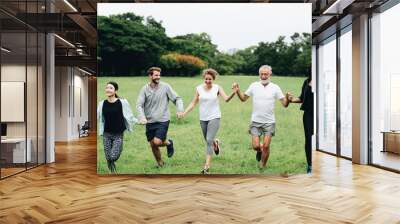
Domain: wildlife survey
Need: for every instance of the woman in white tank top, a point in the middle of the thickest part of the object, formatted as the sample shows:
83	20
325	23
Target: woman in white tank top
209	112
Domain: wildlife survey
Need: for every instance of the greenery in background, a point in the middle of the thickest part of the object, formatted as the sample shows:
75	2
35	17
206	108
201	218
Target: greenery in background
236	157
175	64
129	44
199	45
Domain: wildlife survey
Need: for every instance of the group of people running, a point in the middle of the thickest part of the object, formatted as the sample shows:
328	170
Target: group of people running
115	115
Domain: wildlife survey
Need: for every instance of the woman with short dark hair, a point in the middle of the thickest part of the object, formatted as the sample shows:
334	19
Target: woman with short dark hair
115	116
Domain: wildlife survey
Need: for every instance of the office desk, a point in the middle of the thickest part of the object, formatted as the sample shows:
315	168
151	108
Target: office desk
13	150
391	141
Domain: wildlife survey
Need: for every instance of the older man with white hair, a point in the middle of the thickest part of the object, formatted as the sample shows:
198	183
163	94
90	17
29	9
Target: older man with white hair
264	94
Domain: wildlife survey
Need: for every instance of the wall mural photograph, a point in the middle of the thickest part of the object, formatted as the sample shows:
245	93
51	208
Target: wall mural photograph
213	89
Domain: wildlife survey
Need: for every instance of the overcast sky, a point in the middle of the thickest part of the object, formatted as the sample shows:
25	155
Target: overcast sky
235	25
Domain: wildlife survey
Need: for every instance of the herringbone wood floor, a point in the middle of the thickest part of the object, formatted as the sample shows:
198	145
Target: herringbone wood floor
70	191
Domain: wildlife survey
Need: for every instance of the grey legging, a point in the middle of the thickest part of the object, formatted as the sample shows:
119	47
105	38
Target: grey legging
112	148
210	129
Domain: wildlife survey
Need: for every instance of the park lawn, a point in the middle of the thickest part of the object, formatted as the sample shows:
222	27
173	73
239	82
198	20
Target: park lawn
236	157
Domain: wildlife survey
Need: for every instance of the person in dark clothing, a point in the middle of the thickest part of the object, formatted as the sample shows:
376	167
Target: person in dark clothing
306	99
115	116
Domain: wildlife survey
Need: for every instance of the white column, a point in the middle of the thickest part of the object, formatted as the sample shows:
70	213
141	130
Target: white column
50	101
50	92
360	90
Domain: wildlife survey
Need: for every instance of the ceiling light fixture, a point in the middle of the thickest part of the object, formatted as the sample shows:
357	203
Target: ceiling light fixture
337	7
84	71
64	40
70	5
5	50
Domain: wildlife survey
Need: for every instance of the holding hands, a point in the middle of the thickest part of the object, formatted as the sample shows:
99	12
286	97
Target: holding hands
292	99
143	121
289	96
235	87
180	115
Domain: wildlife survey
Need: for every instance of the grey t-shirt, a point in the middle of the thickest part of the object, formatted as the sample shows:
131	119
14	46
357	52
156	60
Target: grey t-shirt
152	103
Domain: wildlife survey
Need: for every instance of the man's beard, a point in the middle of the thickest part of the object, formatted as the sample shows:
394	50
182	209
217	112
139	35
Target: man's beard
155	81
265	82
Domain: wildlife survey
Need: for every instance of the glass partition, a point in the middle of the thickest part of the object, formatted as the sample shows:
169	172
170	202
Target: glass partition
385	89
14	155
327	95
22	66
31	97
346	93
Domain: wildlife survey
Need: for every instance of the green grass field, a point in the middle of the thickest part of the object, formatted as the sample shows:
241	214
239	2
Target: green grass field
237	157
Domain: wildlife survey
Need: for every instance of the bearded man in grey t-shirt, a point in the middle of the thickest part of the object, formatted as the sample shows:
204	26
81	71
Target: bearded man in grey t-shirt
152	108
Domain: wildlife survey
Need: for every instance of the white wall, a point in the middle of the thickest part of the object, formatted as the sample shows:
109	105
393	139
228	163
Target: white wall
61	103
79	117
70	83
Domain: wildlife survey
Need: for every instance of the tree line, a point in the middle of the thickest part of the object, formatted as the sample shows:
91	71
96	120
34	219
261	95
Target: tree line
129	44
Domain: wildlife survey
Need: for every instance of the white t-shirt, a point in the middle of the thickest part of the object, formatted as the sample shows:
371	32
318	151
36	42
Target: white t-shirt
264	98
208	102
